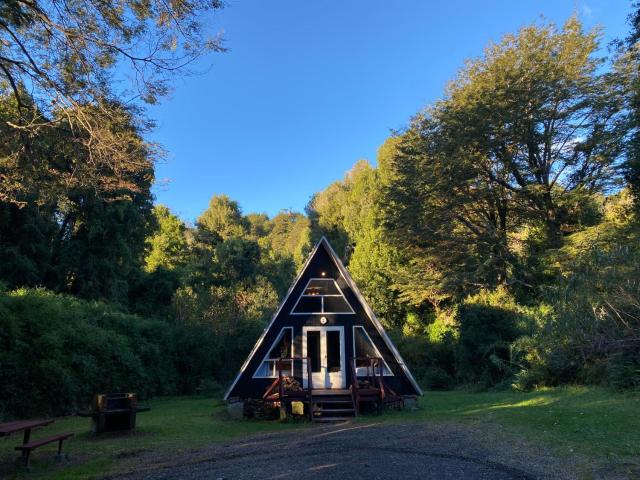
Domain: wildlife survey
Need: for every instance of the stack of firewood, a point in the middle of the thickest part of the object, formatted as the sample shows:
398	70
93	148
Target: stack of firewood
364	383
259	409
291	384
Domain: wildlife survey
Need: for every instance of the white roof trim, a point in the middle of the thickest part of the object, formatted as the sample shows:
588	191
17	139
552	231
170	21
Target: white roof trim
357	293
292	312
375	347
275	342
273	319
372	316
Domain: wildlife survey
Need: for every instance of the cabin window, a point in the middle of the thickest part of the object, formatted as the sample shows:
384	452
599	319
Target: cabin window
282	348
313	349
321	295
364	348
333	351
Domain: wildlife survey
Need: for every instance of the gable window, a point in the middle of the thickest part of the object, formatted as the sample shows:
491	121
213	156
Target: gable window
282	348
364	349
321	295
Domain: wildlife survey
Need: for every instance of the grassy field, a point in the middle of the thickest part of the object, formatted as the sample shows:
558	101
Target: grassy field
597	423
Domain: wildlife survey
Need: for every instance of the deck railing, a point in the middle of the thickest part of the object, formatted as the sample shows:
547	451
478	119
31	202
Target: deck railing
375	376
374	372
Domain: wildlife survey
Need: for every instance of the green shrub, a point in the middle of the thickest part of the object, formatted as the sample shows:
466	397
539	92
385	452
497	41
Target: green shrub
56	352
435	378
483	352
622	372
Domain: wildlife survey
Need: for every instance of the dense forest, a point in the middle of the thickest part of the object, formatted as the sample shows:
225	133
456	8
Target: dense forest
497	235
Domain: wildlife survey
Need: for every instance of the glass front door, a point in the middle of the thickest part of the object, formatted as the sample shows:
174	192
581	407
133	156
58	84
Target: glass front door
325	348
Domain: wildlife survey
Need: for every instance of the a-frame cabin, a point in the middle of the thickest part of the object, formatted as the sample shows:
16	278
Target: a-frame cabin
325	348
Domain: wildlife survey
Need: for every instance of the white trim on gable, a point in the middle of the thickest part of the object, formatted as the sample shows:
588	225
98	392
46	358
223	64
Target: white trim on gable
341	295
266	357
384	363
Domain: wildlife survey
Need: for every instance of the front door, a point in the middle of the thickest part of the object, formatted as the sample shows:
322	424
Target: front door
325	348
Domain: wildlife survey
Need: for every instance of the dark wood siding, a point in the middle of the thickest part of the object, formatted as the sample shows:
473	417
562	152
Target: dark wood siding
248	387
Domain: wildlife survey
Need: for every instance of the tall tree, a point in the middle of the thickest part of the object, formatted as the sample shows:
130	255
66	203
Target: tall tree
629	72
223	219
540	118
327	219
451	227
79	241
167	246
69	55
289	236
524	135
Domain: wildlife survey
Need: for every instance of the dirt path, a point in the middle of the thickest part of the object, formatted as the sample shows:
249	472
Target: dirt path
359	450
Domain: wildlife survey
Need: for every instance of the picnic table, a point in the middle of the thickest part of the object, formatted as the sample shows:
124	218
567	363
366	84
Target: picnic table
22	425
27	444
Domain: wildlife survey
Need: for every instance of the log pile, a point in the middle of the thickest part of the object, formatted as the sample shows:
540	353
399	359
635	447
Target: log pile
364	383
260	410
291	384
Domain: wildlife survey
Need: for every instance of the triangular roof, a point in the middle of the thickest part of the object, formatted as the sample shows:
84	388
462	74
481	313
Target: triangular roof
352	285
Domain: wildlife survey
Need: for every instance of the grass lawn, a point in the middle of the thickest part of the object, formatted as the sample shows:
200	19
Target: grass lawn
594	422
173	424
601	424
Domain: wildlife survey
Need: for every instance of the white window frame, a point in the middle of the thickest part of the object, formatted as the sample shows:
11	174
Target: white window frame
267	359
352	312
386	366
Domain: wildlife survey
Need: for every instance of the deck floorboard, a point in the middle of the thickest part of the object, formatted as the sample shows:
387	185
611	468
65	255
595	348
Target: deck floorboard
333	391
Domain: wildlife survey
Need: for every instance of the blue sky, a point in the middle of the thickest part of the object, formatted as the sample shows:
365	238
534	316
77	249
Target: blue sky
309	87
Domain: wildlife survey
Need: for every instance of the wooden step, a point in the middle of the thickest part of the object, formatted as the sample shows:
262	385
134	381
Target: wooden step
329	392
332	401
334	410
331	419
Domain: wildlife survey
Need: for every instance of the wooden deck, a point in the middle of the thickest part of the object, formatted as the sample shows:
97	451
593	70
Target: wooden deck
332	391
335	404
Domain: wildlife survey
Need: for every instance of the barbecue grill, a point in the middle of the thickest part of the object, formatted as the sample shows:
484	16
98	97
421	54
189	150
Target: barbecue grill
114	412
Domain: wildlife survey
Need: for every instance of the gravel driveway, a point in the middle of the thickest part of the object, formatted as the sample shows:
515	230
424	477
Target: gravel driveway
360	450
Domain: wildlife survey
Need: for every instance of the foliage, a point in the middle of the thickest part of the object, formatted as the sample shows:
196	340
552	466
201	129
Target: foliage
167	246
628	73
69	55
74	241
347	214
233	315
524	135
222	220
487	327
57	352
288	235
593	334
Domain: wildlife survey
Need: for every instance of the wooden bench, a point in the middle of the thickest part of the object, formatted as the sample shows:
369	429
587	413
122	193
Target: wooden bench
28	447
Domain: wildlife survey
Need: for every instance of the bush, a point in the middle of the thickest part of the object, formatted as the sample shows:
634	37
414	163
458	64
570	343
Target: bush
622	372
210	388
483	351
428	359
435	378
592	336
56	352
